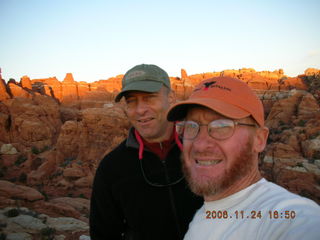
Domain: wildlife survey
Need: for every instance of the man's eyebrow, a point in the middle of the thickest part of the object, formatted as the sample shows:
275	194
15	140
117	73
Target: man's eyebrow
154	93
128	97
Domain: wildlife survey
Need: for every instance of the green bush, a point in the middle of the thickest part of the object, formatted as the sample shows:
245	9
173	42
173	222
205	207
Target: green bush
316	155
20	159
3	236
81	195
35	150
302	123
67	161
23	177
47	233
12	213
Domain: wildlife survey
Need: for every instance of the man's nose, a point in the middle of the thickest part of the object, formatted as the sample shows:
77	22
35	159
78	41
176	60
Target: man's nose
142	107
203	140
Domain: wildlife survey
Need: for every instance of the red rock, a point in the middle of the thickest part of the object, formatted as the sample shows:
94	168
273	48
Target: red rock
51	87
56	209
35	122
100	130
308	107
5	123
68	141
26	82
311	148
18	91
10	190
311	71
184	74
8	160
80	204
45	170
68	78
283	110
73	173
69	90
87	125
84	181
5	202
3	91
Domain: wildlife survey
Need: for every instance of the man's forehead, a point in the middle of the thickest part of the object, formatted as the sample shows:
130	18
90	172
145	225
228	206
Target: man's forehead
195	110
138	93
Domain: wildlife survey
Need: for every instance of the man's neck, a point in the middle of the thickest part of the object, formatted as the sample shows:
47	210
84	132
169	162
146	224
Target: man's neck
164	137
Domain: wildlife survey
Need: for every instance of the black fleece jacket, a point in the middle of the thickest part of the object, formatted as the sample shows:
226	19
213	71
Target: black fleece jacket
125	206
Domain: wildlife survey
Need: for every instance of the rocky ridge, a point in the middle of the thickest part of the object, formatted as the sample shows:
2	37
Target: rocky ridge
53	135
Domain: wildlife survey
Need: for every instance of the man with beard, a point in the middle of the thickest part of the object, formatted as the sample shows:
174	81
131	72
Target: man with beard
222	127
139	192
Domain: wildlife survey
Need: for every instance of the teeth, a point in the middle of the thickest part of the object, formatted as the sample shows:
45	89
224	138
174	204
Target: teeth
207	163
145	120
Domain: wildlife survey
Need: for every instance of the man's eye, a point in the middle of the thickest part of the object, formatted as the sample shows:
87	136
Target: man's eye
151	96
130	101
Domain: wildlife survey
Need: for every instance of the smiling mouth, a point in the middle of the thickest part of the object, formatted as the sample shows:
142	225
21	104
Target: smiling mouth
145	120
207	163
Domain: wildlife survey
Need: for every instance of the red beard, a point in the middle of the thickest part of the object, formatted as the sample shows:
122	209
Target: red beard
241	167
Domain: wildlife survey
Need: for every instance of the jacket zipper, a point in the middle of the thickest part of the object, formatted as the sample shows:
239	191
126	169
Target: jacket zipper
173	206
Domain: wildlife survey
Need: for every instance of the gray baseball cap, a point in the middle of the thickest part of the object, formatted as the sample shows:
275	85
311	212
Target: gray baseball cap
145	78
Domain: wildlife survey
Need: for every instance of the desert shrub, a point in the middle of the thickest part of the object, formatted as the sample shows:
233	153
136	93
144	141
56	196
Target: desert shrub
67	161
35	150
81	195
45	148
316	155
23	177
3	172
20	159
315	135
12	213
302	123
47	233
299	164
3	236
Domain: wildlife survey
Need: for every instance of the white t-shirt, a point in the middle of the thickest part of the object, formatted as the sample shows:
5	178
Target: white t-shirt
261	211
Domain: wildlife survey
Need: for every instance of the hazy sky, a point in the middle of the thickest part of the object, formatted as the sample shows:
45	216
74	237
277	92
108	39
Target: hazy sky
100	39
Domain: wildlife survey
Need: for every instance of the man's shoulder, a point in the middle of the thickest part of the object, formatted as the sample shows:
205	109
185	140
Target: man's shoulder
118	155
277	197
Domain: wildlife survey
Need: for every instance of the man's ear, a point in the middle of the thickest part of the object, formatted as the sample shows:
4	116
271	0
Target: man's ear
260	139
172	97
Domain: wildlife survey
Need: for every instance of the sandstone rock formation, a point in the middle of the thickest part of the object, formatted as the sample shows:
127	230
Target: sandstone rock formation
3	91
85	95
294	149
53	135
26	82
11	190
23	223
311	71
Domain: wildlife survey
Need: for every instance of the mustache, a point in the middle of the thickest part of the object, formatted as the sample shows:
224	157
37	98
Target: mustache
210	154
204	154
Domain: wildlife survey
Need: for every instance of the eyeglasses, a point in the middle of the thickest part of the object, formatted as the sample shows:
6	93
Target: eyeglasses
220	129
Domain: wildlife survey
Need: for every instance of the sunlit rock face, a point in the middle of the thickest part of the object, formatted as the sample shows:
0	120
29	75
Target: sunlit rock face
53	135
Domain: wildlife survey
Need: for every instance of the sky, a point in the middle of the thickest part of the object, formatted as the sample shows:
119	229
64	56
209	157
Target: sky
97	40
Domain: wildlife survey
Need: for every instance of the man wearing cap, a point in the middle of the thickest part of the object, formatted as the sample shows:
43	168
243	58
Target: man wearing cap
223	131
139	191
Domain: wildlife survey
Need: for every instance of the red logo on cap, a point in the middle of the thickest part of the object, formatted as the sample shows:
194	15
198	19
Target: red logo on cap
208	84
